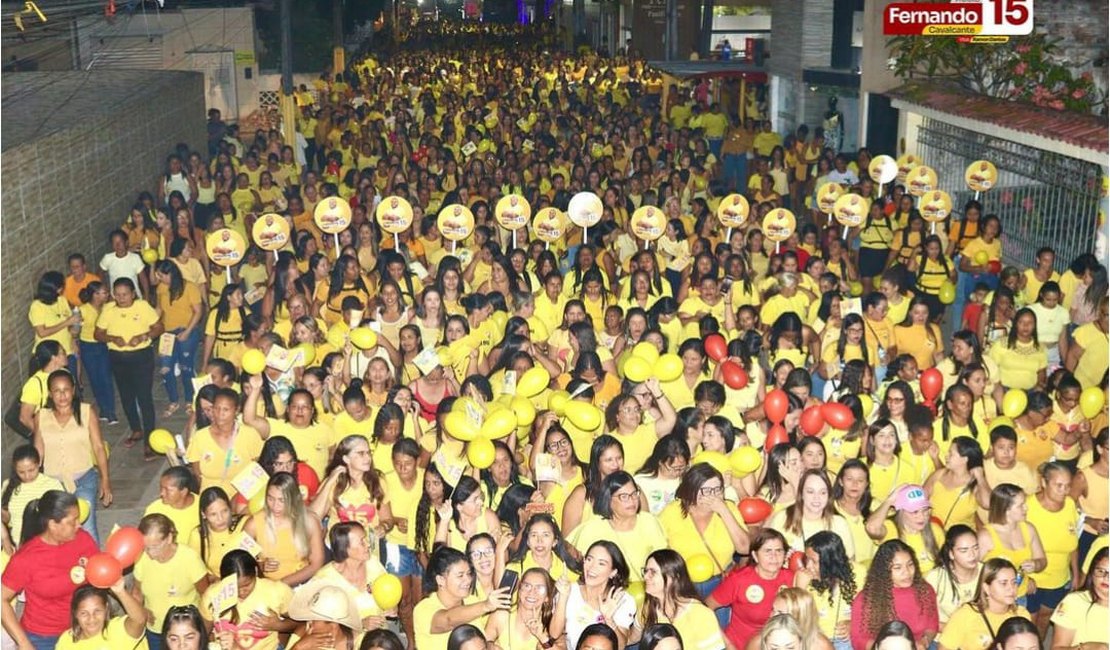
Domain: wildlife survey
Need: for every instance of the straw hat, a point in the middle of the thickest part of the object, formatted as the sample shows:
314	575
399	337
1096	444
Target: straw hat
322	601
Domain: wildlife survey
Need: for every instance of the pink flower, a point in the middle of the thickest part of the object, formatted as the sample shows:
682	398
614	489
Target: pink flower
1078	93
1027	203
1057	104
1020	68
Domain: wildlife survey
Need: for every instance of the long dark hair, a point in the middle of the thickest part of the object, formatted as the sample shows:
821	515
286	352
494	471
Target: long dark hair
223	307
49	287
836	570
559	546
53	505
838	488
877	595
83	593
593	478
177	283
207	498
425	513
676	584
486	475
20	454
944	555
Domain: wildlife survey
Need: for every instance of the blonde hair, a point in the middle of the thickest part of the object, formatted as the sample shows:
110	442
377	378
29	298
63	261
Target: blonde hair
782	622
802	608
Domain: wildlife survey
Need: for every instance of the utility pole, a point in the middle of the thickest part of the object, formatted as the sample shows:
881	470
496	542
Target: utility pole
288	105
338	55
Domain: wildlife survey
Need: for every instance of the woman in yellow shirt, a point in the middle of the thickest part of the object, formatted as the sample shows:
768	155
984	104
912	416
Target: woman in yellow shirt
1007	534
219	528
957	488
973	626
670	597
1082	618
291	537
260	609
932	269
450	600
918	336
353	489
1055	516
224	327
95	628
166	574
179	308
1022	362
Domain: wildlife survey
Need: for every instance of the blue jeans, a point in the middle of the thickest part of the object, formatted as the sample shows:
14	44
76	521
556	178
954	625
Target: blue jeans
704	589
715	146
965	284
98	374
736	172
184	359
42	642
87	488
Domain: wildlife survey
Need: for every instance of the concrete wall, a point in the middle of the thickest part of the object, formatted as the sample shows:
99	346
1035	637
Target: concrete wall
77	148
801	36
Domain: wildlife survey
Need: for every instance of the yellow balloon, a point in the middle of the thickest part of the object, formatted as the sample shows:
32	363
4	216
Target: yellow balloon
855	288
636	369
981	258
636	590
668	367
646	351
309	353
1014	402
363	338
1001	421
459	426
867	405
947	293
480	452
254	362
337	336
499	320
714	459
700	567
82	510
386	591
558	401
161	441
745	460
533	381
537	330
1091	401
498	424
583	415
525	411
150	256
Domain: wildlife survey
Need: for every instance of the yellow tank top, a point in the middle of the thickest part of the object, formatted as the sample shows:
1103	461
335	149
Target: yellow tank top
1015	555
953	505
1097	502
455	538
513	639
793	355
1059	537
931	275
279	547
559	493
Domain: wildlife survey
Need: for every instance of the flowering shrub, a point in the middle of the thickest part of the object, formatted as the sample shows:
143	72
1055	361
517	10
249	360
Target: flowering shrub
1027	69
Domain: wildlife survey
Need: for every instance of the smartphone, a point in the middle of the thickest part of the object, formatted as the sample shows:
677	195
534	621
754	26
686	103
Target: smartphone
508	581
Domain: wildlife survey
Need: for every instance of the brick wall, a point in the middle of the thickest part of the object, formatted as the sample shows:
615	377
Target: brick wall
77	149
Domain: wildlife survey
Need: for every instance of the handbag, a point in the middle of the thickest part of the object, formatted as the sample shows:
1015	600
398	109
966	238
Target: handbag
11	416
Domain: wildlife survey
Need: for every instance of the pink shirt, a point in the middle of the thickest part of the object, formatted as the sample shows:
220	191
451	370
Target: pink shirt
921	617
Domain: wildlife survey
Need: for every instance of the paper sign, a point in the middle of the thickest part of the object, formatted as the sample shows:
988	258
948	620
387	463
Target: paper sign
827	196
981	175
254	295
166	343
225	247
332	215
779	224
469	148
883	169
473	413
225	596
920	180
522	123
936	206
270	232
248	544
449	470
250	480
427	360
512	212
850	209
508	386
394	214
733	211
279	358
549	225
356	318
547	468
455	222
648	223
200	382
584	209
906	163
528	146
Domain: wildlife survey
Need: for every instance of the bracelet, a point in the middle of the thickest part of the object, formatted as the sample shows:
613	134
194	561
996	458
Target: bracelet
659	396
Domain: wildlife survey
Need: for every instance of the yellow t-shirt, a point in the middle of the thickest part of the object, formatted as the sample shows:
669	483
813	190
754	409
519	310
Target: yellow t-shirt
1019	366
683	537
218	544
174	582
46	315
114	637
914	340
967	630
422	616
638	445
178	313
838	450
1088	620
916	541
218	465
797	542
1059	533
646	537
127	323
186	519
698	627
403	503
778	305
950	599
311	443
1096	350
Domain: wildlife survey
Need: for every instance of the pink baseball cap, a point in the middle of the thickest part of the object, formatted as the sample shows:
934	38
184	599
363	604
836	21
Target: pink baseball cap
911	498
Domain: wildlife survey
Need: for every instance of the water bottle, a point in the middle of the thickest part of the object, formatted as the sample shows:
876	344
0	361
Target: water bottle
76	326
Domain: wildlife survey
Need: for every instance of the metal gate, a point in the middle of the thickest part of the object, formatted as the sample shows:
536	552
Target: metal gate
1042	198
219	80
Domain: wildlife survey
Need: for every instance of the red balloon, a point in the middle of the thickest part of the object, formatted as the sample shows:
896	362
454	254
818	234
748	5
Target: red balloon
716	347
103	570
776	435
932	382
797	561
812	421
126	544
734	375
931	405
775	405
754	510
995	267
838	415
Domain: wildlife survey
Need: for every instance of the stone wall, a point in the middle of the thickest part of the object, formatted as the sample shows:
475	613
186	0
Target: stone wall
77	149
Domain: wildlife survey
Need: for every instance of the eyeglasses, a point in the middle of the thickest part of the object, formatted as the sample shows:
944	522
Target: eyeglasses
627	497
1101	574
554	445
711	491
648	571
477	555
632	410
896	400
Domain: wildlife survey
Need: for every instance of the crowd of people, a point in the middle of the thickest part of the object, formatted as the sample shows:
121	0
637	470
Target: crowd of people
578	440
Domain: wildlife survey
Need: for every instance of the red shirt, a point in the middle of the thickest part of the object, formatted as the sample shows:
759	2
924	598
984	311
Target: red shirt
42	572
750	598
921	617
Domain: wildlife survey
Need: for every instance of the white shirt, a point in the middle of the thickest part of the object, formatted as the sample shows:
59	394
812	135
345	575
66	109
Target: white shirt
580	615
128	266
847	177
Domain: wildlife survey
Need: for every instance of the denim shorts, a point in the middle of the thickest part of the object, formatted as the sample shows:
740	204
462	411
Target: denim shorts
1046	598
406	563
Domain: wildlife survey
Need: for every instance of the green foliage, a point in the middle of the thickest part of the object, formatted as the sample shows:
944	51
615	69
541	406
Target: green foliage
1027	69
